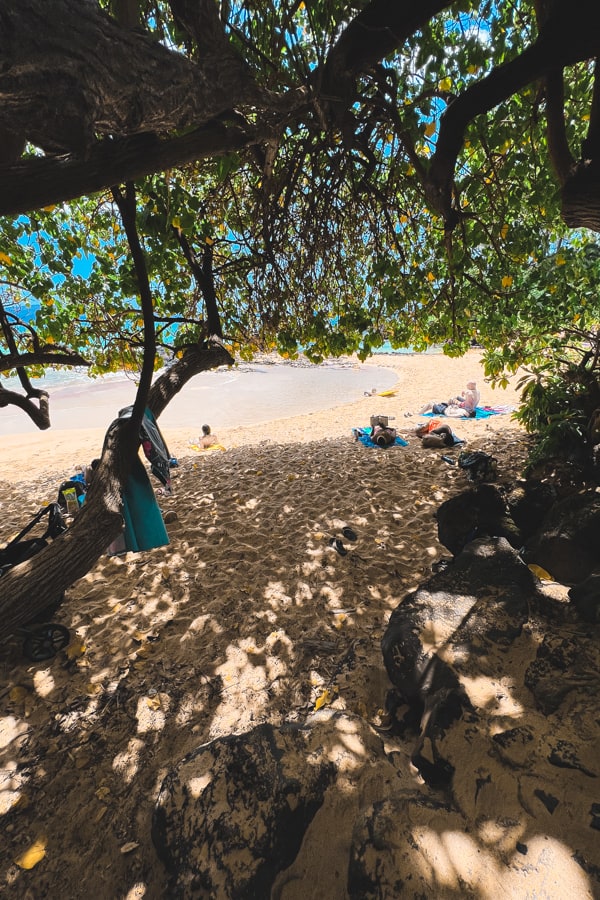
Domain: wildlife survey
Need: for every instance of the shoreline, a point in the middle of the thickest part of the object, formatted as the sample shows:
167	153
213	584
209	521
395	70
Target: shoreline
413	379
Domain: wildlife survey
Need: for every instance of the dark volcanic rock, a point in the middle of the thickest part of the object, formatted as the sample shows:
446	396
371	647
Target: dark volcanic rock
568	543
234	812
585	597
479	603
479	512
528	504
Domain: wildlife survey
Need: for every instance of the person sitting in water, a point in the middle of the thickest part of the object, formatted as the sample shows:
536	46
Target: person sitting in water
208	439
464	405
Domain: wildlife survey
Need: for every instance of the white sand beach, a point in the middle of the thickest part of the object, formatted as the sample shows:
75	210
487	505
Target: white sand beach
249	593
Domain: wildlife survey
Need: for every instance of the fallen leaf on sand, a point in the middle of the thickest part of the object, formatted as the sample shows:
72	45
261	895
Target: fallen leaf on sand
128	848
31	857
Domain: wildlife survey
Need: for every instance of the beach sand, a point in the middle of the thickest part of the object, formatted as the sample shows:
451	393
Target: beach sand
246	617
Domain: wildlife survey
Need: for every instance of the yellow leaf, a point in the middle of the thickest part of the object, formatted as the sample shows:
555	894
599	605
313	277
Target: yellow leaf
324	699
445	84
503	231
472	69
430	276
176	222
5	259
429	129
75	649
153	702
540	573
32	857
507	281
49	208
209	241
560	260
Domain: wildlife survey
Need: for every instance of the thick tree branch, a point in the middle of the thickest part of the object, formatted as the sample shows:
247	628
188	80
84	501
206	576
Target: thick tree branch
556	47
70	73
39	415
199	358
38	182
558	146
42	357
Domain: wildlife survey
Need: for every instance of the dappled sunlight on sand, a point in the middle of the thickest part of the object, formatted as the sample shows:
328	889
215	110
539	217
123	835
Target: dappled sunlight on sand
250	615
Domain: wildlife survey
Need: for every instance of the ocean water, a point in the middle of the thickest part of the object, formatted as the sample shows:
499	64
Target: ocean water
248	394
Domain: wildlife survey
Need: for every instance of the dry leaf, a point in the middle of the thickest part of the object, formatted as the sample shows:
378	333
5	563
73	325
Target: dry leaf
153	702
102	792
82	760
324	699
100	814
75	649
127	848
540	573
32	857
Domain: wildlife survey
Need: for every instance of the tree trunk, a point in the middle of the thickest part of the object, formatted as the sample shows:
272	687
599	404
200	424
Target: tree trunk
32	586
580	198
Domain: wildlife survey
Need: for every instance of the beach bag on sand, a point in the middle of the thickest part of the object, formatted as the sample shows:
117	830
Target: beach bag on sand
73	484
478	466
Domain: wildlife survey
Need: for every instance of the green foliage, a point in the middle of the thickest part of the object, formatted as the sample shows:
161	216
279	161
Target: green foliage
333	248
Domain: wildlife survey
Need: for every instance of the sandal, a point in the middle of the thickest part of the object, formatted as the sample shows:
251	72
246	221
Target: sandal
337	545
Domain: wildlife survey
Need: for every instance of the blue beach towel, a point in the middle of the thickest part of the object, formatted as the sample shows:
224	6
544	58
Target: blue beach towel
481	412
365	440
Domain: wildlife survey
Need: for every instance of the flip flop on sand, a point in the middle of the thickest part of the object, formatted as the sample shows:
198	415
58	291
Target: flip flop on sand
337	545
349	533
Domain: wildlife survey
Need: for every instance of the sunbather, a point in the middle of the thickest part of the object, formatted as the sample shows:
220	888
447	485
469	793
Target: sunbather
461	406
207	439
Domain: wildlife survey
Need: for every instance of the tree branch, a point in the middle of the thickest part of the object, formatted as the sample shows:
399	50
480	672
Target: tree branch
42	357
70	73
40	416
38	182
560	44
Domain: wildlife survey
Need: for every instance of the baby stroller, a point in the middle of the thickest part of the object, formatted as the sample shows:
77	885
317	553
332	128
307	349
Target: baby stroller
44	640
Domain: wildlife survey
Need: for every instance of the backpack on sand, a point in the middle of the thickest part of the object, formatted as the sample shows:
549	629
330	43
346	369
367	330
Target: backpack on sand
478	466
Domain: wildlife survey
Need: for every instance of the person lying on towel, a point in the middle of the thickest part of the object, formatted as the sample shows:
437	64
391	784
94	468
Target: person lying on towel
463	406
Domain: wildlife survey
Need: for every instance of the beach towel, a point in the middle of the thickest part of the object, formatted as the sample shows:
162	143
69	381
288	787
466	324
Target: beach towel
144	526
206	449
362	435
482	412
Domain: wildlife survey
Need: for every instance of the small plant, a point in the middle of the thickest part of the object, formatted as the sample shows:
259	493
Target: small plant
558	397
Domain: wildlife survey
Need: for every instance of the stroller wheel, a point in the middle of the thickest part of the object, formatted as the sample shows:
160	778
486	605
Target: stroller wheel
44	641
